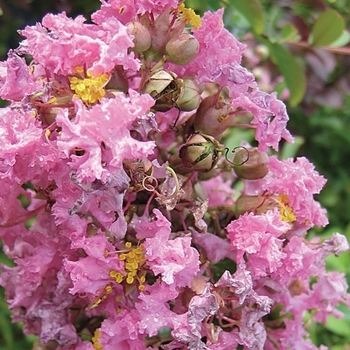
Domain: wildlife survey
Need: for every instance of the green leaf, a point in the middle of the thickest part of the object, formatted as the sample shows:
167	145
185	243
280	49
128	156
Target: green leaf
252	11
220	267
338	326
289	33
291	70
342	40
327	29
290	150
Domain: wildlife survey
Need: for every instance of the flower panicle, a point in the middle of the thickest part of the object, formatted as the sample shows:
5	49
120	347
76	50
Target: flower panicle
119	199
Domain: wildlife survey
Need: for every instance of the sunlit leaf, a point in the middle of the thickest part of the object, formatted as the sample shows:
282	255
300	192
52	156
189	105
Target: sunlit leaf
342	40
327	29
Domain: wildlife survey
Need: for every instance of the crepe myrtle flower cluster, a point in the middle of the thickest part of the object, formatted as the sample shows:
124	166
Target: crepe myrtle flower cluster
117	200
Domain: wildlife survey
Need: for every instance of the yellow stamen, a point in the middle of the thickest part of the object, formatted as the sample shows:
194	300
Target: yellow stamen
90	89
190	16
117	276
133	261
286	212
95	340
130	279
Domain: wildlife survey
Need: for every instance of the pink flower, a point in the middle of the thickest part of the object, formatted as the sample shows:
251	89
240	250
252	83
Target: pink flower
175	259
212	37
121	332
126	10
99	211
11	208
219	191
269	117
256	237
299	181
37	288
103	133
327	293
90	274
299	261
154	310
15	78
62	44
216	248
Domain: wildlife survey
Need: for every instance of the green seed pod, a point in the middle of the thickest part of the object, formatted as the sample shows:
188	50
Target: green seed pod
190	98
142	37
182	49
200	153
251	164
164	86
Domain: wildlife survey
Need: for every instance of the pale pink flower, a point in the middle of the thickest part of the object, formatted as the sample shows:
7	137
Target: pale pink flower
61	44
216	248
219	191
122	332
90	273
153	308
126	10
329	290
103	133
36	288
175	259
15	79
256	237
299	181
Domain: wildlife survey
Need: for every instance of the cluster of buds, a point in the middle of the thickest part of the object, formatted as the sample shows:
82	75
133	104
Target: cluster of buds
118	201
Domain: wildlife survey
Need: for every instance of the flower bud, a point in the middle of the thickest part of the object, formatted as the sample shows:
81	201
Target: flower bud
213	116
251	164
142	37
190	98
201	152
164	86
182	49
254	204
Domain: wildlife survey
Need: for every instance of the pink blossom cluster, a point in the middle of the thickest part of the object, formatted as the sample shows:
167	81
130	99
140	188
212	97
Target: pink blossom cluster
117	203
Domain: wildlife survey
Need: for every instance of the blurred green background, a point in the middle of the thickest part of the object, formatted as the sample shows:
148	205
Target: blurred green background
299	49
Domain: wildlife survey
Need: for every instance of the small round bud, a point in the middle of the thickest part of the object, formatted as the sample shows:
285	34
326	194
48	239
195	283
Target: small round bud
251	164
213	116
182	49
254	204
201	152
142	37
158	82
190	98
165	88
